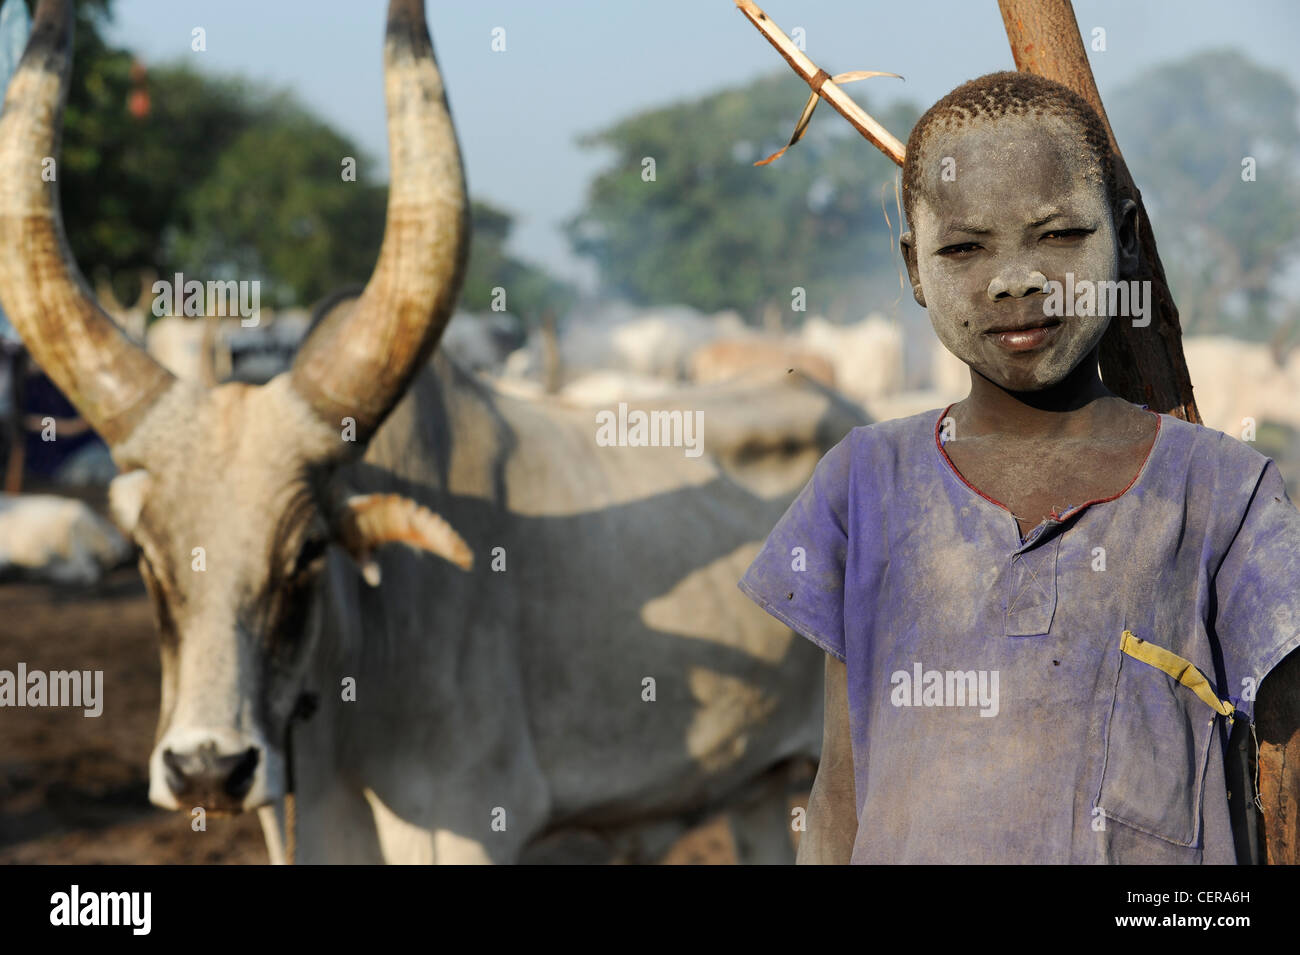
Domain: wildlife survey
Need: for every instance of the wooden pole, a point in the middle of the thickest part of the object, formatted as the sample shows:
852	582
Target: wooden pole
1045	40
1144	365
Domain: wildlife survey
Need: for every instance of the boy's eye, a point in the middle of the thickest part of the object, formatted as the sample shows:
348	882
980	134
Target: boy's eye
958	250
1068	234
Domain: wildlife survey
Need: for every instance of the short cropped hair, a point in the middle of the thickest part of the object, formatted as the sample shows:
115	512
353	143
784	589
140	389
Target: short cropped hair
995	95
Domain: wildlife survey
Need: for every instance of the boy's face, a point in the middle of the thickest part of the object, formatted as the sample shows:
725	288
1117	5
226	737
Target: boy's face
1020	203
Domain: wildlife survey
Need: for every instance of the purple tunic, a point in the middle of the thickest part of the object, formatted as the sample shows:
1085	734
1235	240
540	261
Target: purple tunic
998	711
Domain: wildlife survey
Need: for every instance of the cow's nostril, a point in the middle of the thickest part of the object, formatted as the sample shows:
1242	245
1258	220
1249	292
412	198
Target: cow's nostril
209	777
240	778
177	778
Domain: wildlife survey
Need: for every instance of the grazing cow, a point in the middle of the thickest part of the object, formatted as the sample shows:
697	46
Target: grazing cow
558	641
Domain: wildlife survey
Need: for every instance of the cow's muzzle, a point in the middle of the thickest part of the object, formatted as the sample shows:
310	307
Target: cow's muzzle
219	771
210	779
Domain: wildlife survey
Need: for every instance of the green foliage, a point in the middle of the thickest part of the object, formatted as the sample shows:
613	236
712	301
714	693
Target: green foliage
105	209
274	207
220	180
713	230
1185	128
131	187
124	179
217	181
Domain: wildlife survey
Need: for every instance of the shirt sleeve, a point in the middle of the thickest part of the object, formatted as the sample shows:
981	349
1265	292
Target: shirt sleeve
798	575
1257	589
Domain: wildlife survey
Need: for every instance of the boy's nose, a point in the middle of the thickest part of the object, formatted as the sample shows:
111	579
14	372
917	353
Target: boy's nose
1016	284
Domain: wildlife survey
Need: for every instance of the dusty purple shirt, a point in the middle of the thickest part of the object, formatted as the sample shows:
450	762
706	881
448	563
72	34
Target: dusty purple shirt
994	716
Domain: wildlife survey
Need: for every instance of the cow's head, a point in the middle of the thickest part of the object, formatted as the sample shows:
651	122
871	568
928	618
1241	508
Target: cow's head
231	492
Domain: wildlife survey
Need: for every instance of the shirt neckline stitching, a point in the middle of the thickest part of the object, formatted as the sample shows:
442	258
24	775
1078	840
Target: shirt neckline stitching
952	469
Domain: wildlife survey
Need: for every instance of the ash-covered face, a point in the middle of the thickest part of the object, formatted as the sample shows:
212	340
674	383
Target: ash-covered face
1007	205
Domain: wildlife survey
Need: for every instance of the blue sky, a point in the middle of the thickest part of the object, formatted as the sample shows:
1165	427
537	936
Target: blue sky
573	66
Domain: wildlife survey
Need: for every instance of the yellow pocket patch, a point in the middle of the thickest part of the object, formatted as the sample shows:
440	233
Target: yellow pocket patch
1184	671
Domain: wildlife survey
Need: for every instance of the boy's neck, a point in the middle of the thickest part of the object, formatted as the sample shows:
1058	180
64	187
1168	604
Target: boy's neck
1066	409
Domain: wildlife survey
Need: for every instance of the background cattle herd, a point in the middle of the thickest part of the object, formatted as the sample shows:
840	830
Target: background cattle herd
609	353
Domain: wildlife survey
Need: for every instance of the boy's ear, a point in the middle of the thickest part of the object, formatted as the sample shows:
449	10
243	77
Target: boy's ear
1126	237
907	246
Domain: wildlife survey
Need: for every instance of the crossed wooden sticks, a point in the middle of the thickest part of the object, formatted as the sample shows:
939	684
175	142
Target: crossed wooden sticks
824	86
1140	365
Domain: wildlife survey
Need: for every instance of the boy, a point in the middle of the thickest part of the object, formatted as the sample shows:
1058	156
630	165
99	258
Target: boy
1044	606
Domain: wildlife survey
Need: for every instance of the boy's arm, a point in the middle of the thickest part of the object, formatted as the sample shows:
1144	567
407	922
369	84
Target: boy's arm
1277	723
832	806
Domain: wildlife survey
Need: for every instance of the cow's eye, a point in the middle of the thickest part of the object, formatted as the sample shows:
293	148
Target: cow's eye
310	555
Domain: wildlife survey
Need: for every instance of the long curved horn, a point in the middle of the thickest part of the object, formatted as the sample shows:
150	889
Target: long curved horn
360	364
110	379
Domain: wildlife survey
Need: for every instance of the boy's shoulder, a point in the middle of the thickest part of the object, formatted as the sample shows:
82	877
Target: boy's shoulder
884	443
880	455
895	432
1212	453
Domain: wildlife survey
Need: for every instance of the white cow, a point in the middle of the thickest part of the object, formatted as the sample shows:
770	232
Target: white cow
59	539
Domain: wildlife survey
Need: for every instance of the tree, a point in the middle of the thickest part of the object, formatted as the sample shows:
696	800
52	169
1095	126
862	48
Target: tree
220	180
1188	127
713	231
127	180
122	176
275	207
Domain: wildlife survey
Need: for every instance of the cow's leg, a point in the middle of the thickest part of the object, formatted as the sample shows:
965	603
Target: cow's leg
401	842
438	812
347	827
276	834
336	826
448	842
408	843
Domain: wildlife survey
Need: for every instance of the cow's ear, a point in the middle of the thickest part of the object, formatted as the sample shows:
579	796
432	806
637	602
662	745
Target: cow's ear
126	494
366	522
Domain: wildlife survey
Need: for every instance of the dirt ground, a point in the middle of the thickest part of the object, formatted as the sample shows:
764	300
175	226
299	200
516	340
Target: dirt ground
74	789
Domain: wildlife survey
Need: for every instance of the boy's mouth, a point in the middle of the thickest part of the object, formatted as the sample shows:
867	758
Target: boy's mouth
1024	336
